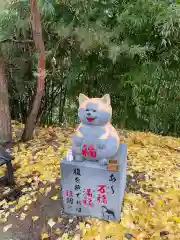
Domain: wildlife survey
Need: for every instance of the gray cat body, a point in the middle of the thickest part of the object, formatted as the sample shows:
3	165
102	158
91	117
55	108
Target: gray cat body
95	139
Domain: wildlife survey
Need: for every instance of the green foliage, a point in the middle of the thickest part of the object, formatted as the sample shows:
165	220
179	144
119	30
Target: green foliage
128	48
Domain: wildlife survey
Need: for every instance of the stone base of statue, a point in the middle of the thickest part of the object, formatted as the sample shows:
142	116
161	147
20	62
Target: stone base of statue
91	190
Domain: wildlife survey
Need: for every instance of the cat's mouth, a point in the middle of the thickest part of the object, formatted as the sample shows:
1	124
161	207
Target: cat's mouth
91	119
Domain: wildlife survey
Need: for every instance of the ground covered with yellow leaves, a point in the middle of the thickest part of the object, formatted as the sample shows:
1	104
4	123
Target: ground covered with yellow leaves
33	208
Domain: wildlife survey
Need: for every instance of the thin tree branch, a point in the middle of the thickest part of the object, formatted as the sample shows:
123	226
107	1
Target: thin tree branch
16	40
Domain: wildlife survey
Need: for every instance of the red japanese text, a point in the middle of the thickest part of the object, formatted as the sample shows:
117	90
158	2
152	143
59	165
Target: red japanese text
101	196
68	193
88	151
87	201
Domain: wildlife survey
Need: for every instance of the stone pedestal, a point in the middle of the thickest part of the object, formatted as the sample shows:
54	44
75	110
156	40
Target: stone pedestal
91	190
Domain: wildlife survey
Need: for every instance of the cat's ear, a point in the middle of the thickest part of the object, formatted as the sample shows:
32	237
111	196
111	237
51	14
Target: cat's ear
106	99
82	98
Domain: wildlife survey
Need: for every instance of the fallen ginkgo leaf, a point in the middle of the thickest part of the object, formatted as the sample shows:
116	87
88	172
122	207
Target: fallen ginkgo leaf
81	225
60	219
29	202
58	231
41	190
11	203
44	236
3	220
29	180
51	223
54	197
64	237
34	218
26	208
22	216
12	210
48	189
7	227
77	237
3	202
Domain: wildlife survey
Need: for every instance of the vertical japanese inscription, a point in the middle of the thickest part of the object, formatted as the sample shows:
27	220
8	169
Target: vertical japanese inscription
69	197
87	197
112	180
77	187
101	194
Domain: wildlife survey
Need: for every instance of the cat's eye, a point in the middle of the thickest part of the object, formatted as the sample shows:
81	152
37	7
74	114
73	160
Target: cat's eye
94	110
87	110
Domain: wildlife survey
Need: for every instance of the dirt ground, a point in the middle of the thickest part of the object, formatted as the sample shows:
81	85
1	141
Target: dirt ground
45	208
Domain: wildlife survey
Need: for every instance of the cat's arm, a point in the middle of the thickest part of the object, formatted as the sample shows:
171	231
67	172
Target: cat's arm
78	132
78	136
109	131
101	144
114	134
106	134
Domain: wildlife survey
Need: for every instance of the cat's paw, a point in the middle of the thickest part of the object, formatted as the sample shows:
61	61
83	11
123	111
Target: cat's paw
79	158
101	144
77	140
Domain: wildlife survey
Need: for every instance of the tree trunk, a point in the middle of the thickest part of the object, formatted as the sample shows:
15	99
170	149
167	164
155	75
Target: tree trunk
5	118
39	43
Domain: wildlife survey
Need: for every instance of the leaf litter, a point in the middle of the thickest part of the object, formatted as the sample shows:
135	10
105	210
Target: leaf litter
151	208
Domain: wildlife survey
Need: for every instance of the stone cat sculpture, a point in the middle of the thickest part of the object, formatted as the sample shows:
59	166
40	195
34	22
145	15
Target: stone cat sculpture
95	138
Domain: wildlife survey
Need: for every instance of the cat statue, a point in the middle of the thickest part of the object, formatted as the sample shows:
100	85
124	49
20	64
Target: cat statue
95	139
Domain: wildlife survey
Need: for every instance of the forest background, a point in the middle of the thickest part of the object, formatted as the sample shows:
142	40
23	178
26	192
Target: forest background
128	48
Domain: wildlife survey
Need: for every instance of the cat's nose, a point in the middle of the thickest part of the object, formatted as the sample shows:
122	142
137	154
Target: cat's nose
89	114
